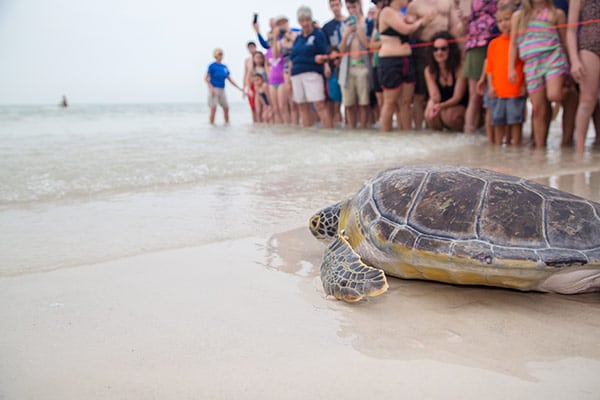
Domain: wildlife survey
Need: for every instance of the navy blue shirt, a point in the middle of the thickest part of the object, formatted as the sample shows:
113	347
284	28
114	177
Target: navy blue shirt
333	32
563	5
304	50
218	73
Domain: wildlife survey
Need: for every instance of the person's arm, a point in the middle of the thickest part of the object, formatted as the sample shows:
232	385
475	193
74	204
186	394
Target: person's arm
211	88
234	84
482	79
375	43
561	19
277	47
347	31
491	89
432	89
321	53
456	24
396	21
362	36
432	108
326	71
265	44
246	74
512	50
577	68
260	37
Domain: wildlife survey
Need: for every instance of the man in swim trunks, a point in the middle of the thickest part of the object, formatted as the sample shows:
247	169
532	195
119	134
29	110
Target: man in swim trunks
248	84
447	17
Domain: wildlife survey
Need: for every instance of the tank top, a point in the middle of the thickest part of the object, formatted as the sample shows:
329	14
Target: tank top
446	92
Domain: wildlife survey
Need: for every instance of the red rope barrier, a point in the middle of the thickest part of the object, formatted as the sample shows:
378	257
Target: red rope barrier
428	44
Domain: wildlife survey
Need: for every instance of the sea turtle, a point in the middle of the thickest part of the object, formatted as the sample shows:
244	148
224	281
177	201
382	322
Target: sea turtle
459	225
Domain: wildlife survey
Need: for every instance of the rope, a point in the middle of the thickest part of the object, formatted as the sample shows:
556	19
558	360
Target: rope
458	40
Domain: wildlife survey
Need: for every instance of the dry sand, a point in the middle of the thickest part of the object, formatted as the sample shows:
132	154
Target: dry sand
247	319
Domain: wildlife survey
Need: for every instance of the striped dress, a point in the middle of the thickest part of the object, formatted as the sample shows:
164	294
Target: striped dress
541	51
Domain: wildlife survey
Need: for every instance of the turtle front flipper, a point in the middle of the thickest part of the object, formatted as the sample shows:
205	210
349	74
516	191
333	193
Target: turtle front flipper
346	277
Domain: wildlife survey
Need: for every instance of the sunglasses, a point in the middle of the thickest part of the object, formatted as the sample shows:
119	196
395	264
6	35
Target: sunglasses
443	48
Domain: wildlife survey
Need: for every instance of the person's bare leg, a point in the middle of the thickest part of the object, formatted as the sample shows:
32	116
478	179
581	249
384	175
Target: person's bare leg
418	110
363	116
213	112
515	134
305	114
454	118
351	116
473	112
596	118
324	114
588	97
499	132
390	98
489	129
407	91
569	105
539	119
276	114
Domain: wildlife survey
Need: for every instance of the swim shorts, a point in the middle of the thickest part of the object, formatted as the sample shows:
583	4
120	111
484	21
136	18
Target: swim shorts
543	66
395	71
375	80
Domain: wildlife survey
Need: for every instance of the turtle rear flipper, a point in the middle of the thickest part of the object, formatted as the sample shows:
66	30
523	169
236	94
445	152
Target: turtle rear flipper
346	277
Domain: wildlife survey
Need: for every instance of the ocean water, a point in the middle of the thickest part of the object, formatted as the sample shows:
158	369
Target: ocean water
96	182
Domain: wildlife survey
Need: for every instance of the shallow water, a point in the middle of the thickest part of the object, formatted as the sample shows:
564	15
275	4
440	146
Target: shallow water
92	183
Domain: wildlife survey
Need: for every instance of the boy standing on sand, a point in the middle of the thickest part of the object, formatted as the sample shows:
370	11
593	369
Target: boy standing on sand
507	98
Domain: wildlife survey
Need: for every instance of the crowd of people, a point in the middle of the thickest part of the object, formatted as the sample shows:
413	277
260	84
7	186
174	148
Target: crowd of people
461	65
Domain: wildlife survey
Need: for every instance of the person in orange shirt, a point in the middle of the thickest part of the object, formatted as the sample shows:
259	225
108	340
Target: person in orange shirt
508	98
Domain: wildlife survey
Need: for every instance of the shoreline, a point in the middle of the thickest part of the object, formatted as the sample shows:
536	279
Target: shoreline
235	308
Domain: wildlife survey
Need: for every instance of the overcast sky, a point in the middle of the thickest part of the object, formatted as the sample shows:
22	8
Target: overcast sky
124	51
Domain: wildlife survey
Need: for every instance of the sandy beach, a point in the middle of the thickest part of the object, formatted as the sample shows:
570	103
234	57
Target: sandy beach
244	316
248	319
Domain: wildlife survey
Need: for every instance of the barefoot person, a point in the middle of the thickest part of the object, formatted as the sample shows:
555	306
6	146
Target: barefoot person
446	17
446	86
215	79
396	73
309	52
248	85
585	62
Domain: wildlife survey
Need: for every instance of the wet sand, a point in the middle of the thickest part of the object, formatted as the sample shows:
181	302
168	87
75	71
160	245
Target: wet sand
247	319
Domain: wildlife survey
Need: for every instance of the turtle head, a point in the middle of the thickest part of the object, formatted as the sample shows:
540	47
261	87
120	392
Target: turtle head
324	224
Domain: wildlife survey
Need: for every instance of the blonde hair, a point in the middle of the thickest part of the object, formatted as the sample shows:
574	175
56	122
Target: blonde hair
527	13
216	52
